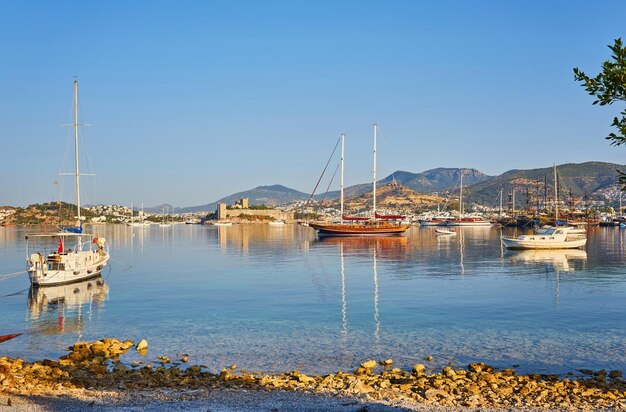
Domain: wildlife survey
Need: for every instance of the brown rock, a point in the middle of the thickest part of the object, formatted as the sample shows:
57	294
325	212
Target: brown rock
448	372
142	346
370	364
419	369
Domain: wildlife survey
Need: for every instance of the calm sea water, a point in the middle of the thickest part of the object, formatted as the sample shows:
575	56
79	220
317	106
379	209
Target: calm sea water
278	298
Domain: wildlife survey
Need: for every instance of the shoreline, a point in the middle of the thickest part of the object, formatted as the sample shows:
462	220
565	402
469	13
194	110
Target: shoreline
92	373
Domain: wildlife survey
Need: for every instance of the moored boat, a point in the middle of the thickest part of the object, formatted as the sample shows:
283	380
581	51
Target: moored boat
363	226
553	238
52	263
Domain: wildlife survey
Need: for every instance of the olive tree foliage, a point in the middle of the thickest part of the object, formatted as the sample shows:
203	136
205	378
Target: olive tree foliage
608	87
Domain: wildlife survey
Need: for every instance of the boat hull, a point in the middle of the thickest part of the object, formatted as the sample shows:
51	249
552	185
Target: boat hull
523	244
76	267
358	230
473	223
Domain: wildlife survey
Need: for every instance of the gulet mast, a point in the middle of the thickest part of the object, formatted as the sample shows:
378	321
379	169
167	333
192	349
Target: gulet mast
374	183
461	197
556	197
343	137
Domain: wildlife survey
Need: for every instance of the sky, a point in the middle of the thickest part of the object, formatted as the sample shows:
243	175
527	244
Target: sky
192	101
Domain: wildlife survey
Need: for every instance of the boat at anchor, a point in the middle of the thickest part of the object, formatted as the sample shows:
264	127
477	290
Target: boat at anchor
68	255
552	238
361	226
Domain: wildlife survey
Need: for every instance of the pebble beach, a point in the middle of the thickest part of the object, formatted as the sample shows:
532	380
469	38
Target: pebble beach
94	375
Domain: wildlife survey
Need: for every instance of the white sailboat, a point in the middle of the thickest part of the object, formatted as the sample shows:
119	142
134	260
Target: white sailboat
466	220
164	223
142	222
68	255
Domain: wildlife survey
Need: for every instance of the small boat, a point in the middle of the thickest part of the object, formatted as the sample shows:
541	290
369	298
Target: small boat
553	238
468	221
222	223
5	338
276	223
435	221
164	223
444	232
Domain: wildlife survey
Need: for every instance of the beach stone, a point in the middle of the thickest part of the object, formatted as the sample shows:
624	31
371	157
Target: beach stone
419	369
448	372
479	367
142	346
387	362
370	364
428	358
100	349
127	344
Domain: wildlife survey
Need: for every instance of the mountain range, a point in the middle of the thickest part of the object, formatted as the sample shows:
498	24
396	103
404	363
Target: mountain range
589	178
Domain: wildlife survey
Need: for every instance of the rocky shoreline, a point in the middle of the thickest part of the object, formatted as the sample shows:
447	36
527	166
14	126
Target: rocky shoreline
93	370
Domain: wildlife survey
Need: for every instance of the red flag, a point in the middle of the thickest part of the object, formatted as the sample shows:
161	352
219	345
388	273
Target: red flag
60	249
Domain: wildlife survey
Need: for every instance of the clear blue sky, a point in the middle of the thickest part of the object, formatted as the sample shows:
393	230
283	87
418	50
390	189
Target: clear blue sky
192	101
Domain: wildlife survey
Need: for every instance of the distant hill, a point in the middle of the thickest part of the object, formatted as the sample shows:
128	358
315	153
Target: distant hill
263	195
579	178
158	209
390	198
430	181
590	177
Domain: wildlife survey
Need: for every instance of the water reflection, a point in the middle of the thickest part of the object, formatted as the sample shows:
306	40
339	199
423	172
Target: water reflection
59	309
392	247
561	260
567	260
385	247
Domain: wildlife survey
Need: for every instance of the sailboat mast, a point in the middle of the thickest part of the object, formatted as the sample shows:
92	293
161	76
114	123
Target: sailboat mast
513	203
461	197
556	197
501	190
374	191
343	138
76	148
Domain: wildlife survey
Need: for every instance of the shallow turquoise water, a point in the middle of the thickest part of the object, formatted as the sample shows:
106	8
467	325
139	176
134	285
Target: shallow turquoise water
277	298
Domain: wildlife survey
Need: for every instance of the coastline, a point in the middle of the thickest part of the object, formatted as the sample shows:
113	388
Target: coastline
91	374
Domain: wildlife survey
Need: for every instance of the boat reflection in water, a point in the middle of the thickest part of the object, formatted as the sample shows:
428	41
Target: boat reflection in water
384	247
63	308
563	260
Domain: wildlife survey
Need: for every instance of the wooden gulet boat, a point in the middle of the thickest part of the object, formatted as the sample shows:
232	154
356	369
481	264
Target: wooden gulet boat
363	226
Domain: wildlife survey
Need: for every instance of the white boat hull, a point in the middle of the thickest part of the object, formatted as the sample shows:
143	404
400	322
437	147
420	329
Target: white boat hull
535	242
72	267
471	224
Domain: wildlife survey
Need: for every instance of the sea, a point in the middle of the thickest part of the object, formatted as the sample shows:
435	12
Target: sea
278	298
